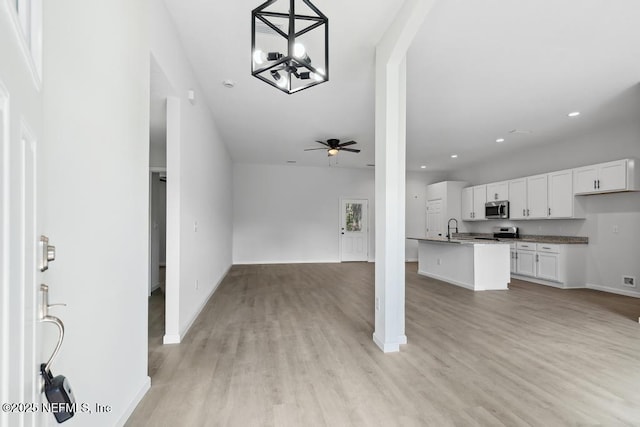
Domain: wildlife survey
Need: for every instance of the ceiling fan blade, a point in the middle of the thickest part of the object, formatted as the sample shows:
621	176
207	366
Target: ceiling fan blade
313	149
352	150
344	144
323	143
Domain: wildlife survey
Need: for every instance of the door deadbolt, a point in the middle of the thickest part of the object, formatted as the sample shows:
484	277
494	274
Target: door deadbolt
48	253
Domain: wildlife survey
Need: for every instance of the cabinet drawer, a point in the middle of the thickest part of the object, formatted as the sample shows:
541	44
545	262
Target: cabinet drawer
546	247
526	246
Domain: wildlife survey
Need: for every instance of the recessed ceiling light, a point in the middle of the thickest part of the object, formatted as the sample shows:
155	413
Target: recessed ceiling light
423	167
574	114
500	140
454	156
228	83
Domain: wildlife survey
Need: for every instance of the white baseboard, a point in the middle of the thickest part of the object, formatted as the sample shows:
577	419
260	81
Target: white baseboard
333	261
411	260
146	385
171	339
177	339
448	280
183	333
389	347
627	293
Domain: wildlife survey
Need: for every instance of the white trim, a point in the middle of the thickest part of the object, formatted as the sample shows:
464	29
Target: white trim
449	280
157	169
177	339
146	385
332	261
545	282
390	347
4	241
634	294
411	260
25	49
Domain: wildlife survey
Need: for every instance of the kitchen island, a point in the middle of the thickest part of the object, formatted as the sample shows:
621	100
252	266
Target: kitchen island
479	265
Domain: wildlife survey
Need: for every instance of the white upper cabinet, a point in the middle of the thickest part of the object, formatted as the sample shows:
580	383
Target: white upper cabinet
537	197
479	200
518	198
619	175
473	201
498	191
560	194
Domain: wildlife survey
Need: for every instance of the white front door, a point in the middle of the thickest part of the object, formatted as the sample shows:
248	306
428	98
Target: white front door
435	227
354	230
21	123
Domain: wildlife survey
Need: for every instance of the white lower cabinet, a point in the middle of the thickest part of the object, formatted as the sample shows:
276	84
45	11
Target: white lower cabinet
562	266
514	258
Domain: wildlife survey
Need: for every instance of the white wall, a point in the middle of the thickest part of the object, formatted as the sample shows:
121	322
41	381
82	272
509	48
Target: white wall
286	214
609	255
199	188
95	196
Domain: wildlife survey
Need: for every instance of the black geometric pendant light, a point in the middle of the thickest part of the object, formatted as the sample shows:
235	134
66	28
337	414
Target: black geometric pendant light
289	45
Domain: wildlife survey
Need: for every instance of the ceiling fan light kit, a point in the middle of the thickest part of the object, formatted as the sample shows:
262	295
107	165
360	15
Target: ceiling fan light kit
283	35
334	146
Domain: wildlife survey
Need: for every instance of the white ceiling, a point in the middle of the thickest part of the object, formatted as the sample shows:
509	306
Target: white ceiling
477	70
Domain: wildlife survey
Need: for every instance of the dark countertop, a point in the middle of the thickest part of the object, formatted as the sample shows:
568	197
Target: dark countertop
559	240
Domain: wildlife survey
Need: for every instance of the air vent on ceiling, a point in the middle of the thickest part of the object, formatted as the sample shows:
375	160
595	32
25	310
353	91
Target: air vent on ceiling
520	131
263	28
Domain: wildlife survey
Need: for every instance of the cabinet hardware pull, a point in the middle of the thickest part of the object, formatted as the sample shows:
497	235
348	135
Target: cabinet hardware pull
549	211
524	212
536	257
598	184
594	184
528	212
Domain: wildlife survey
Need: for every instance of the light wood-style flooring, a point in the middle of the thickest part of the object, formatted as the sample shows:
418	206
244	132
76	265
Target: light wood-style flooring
291	345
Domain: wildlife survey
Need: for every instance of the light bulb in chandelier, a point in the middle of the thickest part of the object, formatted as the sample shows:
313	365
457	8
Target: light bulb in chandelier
300	52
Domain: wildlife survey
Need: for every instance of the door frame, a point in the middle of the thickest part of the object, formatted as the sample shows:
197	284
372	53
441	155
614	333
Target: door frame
341	202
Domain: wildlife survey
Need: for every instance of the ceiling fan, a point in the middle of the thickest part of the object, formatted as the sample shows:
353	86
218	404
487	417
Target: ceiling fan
333	146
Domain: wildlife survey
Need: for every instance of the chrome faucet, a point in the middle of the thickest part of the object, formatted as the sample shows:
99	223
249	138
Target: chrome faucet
449	227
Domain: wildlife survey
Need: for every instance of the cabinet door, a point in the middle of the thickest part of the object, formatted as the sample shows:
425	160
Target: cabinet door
585	179
467	204
537	197
479	200
498	191
526	263
518	198
561	194
548	266
612	176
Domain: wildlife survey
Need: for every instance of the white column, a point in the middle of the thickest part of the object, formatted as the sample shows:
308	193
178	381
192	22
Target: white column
390	173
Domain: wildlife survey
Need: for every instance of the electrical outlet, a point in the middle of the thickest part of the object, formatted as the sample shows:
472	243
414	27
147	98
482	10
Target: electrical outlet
377	303
197	284
629	281
439	261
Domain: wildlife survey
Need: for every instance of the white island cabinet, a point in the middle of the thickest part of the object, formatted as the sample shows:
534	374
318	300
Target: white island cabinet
471	264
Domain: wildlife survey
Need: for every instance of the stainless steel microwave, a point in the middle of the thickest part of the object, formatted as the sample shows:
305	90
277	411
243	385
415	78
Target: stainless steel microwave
496	210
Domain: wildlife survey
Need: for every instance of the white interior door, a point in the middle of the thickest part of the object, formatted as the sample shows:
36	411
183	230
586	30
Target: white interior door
20	139
435	227
354	230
